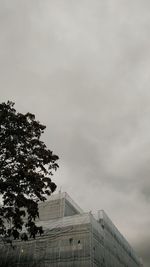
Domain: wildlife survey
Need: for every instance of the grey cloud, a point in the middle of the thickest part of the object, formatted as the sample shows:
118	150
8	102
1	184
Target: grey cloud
143	249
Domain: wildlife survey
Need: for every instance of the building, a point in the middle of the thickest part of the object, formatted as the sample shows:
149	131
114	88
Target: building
72	238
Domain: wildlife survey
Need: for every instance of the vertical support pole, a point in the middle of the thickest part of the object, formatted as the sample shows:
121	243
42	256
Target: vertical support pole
91	241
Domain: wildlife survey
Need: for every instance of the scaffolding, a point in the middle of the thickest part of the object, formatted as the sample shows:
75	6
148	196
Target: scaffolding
71	238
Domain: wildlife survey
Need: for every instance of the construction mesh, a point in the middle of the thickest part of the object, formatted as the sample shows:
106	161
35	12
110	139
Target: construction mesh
71	239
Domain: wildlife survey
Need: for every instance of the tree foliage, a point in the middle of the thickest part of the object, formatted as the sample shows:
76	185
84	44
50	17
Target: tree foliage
26	167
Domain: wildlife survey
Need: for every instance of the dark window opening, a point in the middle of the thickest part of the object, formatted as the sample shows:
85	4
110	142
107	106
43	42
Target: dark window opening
70	241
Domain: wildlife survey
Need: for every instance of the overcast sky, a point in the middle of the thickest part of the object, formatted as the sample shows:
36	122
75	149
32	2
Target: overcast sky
83	67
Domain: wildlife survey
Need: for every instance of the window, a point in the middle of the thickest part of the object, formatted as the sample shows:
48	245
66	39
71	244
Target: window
71	240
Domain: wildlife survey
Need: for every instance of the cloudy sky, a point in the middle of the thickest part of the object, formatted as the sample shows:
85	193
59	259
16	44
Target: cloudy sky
83	67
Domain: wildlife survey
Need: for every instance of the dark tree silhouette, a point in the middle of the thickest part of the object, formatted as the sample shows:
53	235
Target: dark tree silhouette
26	166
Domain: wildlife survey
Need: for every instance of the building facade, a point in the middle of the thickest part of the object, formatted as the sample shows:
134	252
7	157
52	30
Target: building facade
72	238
